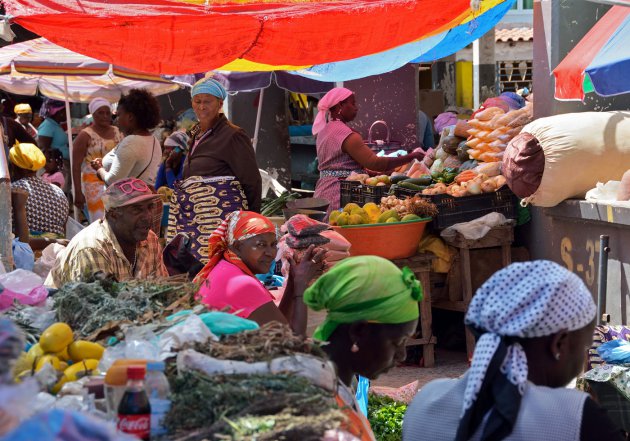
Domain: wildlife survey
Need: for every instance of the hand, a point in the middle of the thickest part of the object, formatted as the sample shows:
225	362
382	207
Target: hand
310	267
173	160
417	154
97	164
63	242
79	200
19	197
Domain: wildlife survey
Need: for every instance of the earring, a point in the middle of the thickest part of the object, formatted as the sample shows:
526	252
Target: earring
354	348
557	356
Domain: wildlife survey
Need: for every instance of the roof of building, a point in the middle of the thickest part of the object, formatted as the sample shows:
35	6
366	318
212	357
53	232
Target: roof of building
514	34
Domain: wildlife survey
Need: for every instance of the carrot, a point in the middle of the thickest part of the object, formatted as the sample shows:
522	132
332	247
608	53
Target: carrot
465	176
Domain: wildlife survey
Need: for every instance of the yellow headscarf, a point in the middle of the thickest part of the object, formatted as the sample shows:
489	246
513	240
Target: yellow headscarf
27	156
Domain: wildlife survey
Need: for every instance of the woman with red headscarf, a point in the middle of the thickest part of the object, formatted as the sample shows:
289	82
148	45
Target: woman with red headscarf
244	245
341	150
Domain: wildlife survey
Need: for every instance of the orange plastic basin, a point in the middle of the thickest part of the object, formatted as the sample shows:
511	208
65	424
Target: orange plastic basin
392	241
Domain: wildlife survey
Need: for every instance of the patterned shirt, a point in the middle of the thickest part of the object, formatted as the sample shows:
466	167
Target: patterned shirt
97	249
46	206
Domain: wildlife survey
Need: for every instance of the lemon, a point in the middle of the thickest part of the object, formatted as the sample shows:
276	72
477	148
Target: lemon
48	359
55	338
83	350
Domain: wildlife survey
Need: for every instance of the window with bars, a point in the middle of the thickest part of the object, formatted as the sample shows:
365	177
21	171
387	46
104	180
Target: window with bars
514	75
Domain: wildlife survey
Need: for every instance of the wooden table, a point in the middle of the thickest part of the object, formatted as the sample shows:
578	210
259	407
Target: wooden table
420	264
501	236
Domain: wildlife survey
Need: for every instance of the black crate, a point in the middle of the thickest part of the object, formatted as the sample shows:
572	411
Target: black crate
404	193
372	193
452	210
350	191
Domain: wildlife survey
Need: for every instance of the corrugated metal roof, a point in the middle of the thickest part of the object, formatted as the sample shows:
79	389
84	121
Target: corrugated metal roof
514	34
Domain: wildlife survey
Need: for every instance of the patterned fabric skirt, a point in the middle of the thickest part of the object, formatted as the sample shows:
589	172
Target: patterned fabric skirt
199	205
329	188
93	189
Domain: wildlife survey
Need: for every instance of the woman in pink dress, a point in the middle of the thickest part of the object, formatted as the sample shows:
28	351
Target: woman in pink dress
341	150
244	245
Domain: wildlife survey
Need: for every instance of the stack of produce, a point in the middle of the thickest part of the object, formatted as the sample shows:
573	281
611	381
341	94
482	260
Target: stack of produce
96	310
485	178
57	347
247	400
492	129
391	210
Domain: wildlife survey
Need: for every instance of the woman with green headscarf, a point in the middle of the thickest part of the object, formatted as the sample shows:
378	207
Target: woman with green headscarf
372	308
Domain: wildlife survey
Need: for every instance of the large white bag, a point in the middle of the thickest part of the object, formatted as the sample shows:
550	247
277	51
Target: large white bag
580	150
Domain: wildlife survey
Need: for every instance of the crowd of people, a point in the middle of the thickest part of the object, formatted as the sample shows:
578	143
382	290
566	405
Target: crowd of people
533	321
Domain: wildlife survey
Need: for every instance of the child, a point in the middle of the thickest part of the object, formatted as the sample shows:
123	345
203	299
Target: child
53	167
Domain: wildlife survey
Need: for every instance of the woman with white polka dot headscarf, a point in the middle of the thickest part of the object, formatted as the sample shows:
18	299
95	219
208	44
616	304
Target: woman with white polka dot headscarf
534	322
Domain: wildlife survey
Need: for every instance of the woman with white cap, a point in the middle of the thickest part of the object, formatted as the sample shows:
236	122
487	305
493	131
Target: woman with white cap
341	150
93	142
534	322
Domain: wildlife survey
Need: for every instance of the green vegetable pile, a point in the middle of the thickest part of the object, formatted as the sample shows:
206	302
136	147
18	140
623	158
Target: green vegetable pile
386	417
271	206
446	176
249	407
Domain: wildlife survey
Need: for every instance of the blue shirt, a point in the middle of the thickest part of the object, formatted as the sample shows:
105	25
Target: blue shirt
51	129
168	177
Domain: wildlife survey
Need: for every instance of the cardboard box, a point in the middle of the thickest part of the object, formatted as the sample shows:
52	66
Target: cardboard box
431	102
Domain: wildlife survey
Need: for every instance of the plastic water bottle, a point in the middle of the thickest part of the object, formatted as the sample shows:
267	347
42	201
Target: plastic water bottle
159	392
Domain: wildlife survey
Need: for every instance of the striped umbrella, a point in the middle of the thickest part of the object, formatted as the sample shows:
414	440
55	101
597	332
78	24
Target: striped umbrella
599	62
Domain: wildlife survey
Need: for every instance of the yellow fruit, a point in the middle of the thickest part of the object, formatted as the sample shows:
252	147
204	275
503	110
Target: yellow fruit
343	219
355	219
57	387
35	351
63	355
24	362
360	211
22	375
332	220
83	350
48	359
386	215
410	217
56	338
349	207
391	220
63	365
373	211
80	370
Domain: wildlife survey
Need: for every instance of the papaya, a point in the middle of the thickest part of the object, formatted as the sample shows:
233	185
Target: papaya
343	219
410	217
35	351
349	207
48	359
386	215
55	338
373	211
332	220
80	369
83	350
391	220
355	219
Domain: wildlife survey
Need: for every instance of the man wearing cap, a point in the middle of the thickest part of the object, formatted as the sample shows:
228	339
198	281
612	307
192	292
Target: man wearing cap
121	245
24	117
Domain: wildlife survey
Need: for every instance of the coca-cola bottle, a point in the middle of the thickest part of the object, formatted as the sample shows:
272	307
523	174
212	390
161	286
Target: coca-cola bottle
134	411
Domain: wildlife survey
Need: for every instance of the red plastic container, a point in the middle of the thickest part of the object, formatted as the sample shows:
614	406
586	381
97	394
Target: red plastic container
397	240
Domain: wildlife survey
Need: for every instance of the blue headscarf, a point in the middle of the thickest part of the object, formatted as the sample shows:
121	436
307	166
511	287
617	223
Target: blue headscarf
514	100
209	86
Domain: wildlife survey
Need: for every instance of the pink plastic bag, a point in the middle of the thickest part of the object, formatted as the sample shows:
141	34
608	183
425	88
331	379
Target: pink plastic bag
23	286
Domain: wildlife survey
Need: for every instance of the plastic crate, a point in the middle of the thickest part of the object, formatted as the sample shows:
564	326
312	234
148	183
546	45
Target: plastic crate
452	210
373	193
350	191
403	193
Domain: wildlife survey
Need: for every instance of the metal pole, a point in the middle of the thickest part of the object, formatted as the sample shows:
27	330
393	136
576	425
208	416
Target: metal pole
69	123
476	76
258	116
602	282
6	246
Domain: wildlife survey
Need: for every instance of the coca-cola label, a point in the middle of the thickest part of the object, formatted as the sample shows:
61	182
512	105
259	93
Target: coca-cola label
137	425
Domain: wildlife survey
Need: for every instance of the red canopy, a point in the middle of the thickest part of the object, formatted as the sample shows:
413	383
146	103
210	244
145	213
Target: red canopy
180	37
